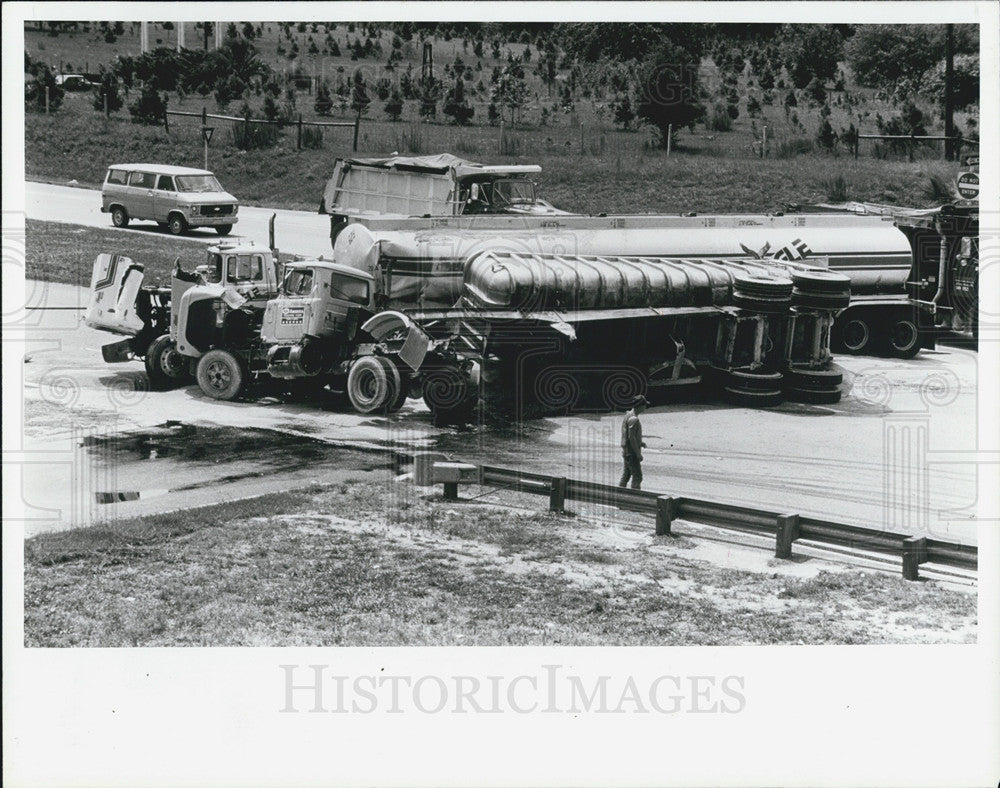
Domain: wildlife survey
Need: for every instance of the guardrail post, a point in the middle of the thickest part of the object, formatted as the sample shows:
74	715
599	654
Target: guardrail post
664	515
451	491
357	128
557	496
914	554
298	136
788	532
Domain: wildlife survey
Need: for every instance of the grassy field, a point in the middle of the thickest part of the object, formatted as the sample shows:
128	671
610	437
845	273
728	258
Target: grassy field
380	564
78	143
589	165
57	252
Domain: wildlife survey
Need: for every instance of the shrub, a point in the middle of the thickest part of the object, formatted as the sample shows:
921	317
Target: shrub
254	136
34	90
836	189
790	148
826	137
312	137
937	186
150	106
324	101
719	119
394	106
109	89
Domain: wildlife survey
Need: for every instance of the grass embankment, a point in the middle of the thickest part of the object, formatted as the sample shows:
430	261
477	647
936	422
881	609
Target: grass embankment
326	567
56	252
616	174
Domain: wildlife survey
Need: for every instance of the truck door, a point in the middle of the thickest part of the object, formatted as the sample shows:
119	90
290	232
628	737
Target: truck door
140	195
164	197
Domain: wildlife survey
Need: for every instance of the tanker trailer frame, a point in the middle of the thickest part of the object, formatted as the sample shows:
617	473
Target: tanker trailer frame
542	333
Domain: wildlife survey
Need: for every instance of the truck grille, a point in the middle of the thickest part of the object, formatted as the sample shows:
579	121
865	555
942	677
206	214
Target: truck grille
216	210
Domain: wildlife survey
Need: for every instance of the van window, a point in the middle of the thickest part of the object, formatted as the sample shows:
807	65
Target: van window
165	184
198	183
119	177
244	268
143	180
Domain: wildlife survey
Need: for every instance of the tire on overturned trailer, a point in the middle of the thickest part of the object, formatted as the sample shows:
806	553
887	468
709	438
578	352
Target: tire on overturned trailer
374	385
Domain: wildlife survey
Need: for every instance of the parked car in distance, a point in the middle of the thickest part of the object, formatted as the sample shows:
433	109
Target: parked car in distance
177	198
75	82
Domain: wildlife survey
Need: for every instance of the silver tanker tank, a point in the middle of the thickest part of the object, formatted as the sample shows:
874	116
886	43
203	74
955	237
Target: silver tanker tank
426	259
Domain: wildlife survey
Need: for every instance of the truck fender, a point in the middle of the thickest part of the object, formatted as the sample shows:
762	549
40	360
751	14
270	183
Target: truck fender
114	286
391	322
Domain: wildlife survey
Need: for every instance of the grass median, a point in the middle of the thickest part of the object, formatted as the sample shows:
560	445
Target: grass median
387	563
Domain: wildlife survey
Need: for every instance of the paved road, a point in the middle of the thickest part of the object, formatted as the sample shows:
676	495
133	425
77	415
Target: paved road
883	456
299	232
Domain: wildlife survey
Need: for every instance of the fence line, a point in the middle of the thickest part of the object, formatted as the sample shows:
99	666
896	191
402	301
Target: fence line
247	120
786	527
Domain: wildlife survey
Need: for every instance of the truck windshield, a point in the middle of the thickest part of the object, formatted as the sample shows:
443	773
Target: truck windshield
298	281
244	268
514	192
349	288
197	183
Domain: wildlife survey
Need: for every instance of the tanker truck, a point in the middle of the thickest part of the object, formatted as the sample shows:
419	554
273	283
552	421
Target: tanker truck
421	207
527	330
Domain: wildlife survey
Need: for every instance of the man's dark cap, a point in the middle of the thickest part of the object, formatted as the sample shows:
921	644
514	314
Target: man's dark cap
638	399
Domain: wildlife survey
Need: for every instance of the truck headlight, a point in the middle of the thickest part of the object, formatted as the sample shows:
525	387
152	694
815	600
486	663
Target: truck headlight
220	313
236	209
193	209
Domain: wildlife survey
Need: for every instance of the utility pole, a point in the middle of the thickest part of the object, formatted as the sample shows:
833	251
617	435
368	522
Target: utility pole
949	77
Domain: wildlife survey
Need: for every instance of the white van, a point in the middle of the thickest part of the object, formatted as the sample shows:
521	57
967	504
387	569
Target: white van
173	197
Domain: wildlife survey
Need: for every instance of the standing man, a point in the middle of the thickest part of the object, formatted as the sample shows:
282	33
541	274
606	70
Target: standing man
632	443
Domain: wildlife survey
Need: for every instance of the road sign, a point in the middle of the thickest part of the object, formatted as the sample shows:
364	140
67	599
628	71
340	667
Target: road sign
970	160
968	185
206	133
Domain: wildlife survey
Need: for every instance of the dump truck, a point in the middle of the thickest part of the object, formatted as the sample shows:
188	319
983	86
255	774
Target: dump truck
441	185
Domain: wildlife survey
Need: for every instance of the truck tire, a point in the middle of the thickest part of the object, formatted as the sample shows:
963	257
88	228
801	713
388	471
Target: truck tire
119	216
767	286
815	379
813	396
221	375
753	399
822	282
403	387
761	303
826	301
747	380
177	224
223	229
855	335
372	384
165	367
904	338
449	395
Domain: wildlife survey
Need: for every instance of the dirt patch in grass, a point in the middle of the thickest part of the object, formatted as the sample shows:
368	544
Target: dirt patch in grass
377	564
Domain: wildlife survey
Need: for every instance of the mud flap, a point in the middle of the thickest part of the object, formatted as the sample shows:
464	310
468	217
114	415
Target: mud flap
114	286
416	344
118	352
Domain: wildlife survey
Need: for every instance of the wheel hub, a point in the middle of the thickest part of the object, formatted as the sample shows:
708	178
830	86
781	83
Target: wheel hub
219	376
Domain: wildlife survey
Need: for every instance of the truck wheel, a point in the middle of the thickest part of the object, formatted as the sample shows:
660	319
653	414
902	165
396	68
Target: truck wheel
856	335
372	383
449	395
119	216
223	229
904	338
402	388
753	399
813	396
165	367
814	379
178	224
221	375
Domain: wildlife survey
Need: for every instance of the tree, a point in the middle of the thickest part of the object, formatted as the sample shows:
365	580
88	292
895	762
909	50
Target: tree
456	106
624	114
149	107
593	42
324	101
248	31
964	85
810	52
826	137
394	106
34	89
510	91
897	57
359	94
108	89
668	89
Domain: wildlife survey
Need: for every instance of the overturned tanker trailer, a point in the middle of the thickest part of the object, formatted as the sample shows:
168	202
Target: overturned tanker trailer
424	257
543	332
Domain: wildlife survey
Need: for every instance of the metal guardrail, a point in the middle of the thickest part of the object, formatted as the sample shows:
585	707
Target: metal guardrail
787	528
